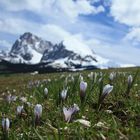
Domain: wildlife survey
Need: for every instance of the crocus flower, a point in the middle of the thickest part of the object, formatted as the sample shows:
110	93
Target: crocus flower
90	76
106	90
81	77
76	108
68	112
130	80
111	76
46	92
19	110
37	113
64	94
84	122
83	87
5	124
8	98
23	99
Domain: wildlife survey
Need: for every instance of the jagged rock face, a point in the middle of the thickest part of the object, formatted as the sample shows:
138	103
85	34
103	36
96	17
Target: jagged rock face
26	44
58	52
59	56
30	49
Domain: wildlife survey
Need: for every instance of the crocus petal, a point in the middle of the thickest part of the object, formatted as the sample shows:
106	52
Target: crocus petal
38	110
5	123
130	79
67	113
107	89
19	110
46	91
84	122
83	86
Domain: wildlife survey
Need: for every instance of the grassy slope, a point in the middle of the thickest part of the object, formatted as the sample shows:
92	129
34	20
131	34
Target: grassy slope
122	123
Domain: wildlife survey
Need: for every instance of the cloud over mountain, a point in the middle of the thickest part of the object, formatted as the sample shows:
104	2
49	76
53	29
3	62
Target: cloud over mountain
105	26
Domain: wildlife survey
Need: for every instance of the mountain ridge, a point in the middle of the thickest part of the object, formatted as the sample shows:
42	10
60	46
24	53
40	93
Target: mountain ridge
31	49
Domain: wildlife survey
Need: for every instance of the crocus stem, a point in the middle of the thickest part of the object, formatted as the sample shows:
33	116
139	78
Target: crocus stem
37	120
82	97
5	135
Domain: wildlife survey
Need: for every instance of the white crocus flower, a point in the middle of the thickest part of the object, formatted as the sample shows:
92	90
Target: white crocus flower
84	122
8	98
23	99
76	108
19	110
64	94
38	110
5	124
106	90
81	77
90	76
67	113
45	91
13	98
130	80
38	113
111	76
83	86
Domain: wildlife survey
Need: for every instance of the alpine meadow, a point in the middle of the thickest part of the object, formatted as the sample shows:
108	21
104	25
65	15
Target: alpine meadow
99	104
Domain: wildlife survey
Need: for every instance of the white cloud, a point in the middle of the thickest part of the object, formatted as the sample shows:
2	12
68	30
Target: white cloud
5	44
126	11
62	22
133	36
67	9
118	53
16	26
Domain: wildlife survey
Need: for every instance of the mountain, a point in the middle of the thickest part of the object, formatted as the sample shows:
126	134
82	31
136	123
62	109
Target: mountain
32	50
3	54
28	49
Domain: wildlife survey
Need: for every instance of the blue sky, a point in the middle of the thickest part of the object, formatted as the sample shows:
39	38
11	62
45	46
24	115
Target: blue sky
110	27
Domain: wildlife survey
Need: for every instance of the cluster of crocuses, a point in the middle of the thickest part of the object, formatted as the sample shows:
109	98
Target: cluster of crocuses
67	111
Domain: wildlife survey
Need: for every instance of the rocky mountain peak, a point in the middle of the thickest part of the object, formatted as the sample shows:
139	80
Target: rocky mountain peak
31	49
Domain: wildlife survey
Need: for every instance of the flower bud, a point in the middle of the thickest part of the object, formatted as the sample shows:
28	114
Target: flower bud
75	108
37	113
106	90
111	76
23	99
84	122
45	92
130	80
19	110
83	87
64	94
5	124
90	76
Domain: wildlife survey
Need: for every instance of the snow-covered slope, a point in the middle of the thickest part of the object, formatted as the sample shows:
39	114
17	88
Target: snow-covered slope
3	54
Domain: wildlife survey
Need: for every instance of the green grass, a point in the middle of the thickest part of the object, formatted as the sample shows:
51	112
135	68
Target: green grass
122	123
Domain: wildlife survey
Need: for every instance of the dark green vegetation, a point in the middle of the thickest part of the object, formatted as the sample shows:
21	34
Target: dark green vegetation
117	118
